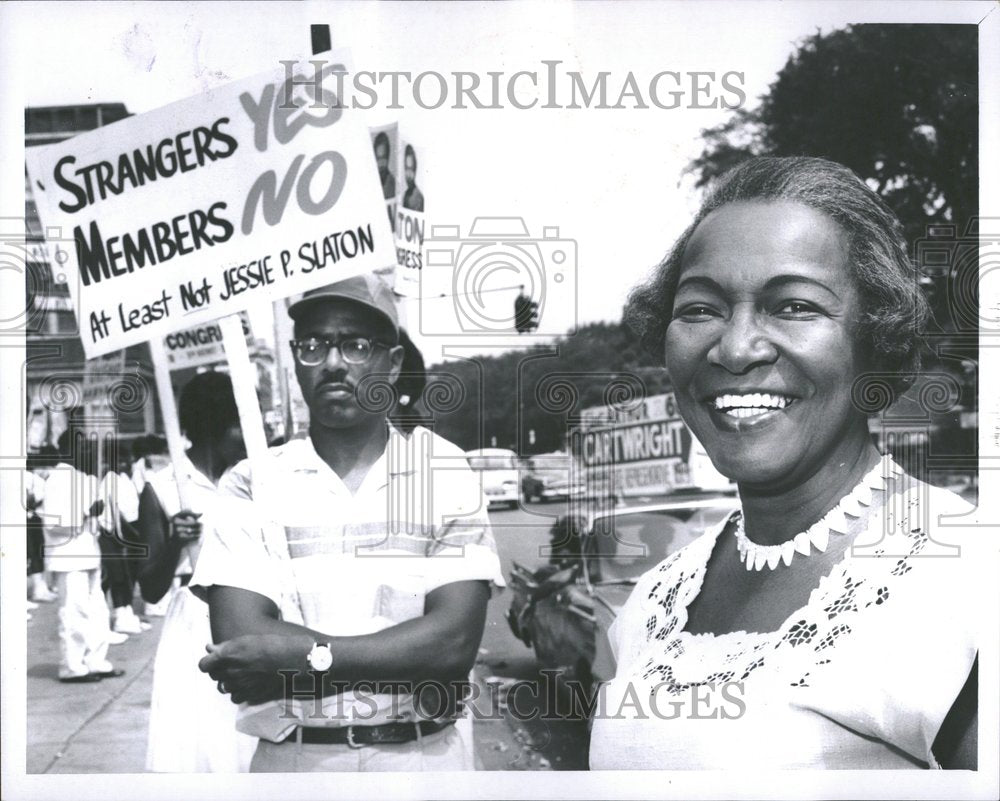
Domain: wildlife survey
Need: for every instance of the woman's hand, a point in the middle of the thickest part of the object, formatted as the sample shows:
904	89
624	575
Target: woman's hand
185	526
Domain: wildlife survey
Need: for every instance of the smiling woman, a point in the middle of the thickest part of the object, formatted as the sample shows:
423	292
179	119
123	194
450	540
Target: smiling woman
763	345
789	289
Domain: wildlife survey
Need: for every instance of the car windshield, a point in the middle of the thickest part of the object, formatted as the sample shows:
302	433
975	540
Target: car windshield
554	465
630	544
495	462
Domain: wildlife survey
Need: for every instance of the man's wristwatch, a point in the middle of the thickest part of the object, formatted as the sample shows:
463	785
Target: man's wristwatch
320	657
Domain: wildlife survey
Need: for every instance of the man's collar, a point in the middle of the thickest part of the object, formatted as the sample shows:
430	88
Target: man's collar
318	464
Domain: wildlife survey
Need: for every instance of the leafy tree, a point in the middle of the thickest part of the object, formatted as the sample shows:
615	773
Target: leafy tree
585	366
898	104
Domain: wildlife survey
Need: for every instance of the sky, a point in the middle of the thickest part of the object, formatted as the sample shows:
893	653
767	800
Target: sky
612	181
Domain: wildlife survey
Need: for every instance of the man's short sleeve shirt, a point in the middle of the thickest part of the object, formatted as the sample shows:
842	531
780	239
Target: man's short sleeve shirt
351	564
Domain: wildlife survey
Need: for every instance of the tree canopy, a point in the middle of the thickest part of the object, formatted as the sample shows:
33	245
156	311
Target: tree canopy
898	104
547	385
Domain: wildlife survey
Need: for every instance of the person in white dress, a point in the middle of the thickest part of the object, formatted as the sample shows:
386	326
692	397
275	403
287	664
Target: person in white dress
831	623
179	741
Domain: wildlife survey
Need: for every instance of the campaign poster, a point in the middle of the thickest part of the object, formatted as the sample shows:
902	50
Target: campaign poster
410	222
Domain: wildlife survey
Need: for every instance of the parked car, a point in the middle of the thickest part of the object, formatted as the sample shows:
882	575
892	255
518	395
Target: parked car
500	472
551	477
563	610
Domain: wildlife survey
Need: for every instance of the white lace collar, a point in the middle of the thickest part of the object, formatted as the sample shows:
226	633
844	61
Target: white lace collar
680	658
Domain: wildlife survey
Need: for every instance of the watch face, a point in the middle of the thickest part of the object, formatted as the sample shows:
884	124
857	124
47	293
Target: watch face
320	657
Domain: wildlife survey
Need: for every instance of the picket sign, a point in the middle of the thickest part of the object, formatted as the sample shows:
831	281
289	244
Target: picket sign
254	191
201	345
175	445
249	192
241	370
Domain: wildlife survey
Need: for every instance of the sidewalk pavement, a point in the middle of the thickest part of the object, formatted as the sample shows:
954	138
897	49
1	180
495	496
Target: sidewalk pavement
102	727
87	728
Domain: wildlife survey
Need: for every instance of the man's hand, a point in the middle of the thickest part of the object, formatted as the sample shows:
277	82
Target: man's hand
247	667
185	526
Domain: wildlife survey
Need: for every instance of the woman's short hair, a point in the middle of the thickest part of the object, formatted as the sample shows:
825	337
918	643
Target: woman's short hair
207	407
894	309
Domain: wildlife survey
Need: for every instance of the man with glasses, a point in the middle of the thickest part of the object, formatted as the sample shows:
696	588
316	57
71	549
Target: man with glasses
348	598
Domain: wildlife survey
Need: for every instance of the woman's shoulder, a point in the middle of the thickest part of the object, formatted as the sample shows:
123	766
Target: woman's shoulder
683	565
948	501
926	544
930	519
656	604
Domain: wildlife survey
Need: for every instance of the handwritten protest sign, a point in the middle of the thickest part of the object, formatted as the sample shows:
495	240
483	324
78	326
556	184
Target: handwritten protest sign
259	189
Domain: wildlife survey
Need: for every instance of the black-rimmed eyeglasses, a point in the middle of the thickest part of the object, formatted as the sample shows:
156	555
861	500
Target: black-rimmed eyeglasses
313	351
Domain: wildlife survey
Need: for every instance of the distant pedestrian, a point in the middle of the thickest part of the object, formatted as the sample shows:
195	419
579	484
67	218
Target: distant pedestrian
37	470
69	518
119	539
150	455
409	386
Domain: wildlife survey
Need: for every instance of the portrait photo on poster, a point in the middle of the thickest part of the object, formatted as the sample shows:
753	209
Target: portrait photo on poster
649	458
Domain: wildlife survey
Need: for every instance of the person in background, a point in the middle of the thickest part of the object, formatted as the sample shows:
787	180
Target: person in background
150	454
172	532
69	515
140	447
36	471
409	386
119	539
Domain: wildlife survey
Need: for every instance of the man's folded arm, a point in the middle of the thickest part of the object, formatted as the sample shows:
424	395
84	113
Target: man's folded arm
252	641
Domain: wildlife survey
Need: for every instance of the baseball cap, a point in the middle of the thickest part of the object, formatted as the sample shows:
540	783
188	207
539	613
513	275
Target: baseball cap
367	289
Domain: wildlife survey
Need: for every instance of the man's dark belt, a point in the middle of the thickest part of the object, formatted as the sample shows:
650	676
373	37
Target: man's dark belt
185	579
359	736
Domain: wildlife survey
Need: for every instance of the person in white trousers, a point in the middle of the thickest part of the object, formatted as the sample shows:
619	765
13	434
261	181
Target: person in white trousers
72	554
